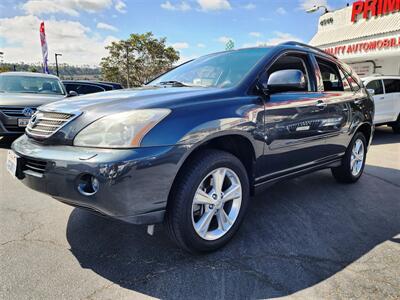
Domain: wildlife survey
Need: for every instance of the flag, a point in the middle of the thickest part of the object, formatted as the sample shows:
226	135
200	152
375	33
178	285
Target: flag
44	48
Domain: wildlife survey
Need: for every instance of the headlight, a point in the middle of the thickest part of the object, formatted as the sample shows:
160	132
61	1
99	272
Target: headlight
121	130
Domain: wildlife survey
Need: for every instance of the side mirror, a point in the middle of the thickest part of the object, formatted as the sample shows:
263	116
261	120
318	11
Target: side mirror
286	81
72	94
371	91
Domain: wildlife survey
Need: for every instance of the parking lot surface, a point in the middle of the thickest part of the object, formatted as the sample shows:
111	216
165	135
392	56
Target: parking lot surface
306	237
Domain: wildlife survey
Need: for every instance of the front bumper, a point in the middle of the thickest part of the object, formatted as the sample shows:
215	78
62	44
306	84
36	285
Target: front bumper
134	184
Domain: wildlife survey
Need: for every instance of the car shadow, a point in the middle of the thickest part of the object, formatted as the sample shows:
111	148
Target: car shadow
385	135
6	141
297	233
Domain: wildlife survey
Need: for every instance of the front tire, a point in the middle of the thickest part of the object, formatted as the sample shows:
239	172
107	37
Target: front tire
208	201
353	162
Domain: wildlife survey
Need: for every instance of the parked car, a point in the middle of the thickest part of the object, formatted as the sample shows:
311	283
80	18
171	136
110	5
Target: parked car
386	91
191	147
20	94
83	87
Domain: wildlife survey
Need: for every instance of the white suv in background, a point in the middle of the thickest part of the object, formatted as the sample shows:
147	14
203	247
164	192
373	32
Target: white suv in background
387	99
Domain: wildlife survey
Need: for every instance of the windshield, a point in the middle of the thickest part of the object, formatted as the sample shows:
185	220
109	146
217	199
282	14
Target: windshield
30	84
222	70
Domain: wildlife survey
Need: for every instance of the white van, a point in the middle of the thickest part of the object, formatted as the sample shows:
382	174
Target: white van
387	99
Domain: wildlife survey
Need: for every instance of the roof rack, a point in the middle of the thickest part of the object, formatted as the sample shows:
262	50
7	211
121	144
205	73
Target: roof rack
294	43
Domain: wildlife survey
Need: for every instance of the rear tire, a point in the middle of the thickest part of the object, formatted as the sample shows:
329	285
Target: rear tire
353	162
196	215
396	125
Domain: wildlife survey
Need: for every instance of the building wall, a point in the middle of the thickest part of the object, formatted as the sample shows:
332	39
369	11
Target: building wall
355	41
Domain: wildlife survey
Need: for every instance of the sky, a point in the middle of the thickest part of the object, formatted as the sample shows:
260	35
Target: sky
80	29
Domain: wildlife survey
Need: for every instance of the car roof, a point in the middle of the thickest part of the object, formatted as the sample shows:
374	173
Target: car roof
380	77
291	45
29	74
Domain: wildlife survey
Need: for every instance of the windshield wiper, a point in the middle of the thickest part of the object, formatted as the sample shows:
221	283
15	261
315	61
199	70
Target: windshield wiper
173	83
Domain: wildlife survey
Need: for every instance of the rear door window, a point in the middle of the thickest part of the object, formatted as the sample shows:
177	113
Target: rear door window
392	86
377	86
330	76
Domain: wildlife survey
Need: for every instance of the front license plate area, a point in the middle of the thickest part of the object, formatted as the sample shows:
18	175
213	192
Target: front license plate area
23	122
12	163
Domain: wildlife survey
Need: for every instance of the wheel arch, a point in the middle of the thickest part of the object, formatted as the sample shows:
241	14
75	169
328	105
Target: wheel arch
367	130
236	144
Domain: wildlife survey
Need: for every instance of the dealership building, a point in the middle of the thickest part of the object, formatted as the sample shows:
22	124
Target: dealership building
365	35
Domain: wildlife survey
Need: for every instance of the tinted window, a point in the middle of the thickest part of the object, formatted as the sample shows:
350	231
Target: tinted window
30	84
222	70
392	85
377	86
290	62
89	89
330	76
83	89
70	87
346	84
355	79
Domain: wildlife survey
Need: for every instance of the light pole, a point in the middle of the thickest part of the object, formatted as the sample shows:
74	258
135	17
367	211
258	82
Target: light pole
316	8
57	54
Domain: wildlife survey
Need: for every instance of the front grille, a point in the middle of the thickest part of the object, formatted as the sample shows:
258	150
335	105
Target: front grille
14	128
33	165
44	124
16	111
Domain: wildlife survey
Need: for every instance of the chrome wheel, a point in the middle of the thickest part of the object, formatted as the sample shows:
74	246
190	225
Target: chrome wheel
357	157
216	204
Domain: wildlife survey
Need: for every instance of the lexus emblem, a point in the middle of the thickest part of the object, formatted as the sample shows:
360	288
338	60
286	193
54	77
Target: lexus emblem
33	120
28	112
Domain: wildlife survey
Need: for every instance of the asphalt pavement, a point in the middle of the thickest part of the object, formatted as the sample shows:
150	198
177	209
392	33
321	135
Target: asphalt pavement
309	237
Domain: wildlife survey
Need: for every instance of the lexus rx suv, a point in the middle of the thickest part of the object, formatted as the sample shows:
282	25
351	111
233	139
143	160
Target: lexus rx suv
20	94
191	147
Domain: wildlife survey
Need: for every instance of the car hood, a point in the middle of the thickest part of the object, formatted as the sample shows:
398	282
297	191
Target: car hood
25	99
128	99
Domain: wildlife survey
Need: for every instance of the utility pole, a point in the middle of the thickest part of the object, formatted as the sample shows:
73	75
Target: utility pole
57	54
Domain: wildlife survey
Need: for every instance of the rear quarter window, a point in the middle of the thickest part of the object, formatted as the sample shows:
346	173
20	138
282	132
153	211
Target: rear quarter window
392	85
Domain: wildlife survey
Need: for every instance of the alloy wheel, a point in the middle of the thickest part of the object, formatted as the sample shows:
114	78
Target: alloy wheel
357	157
216	204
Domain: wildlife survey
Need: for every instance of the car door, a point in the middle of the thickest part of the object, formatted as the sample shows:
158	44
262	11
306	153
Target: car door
338	95
392	95
381	101
293	134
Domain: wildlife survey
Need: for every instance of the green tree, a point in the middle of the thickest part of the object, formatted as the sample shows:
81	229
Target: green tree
135	61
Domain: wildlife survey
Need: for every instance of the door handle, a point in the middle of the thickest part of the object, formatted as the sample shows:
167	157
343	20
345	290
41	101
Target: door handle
321	104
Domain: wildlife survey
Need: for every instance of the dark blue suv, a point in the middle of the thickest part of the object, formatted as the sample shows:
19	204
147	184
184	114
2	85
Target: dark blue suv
191	147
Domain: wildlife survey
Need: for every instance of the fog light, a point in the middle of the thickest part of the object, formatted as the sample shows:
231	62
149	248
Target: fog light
88	185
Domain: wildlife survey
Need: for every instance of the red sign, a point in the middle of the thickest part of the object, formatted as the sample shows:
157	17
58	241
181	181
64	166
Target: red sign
372	8
373	45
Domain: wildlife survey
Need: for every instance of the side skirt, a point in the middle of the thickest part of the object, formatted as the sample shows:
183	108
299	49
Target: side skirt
261	186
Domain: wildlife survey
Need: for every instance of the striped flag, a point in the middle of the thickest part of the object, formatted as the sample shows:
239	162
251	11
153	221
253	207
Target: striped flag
44	48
